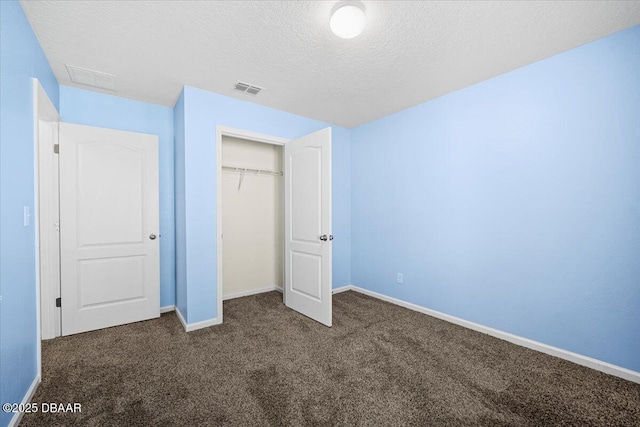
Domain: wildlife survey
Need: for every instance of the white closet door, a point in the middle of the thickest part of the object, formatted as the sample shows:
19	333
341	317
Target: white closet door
109	227
308	225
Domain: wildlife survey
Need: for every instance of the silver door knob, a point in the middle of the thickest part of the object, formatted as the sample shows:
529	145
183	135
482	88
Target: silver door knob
152	236
323	237
330	236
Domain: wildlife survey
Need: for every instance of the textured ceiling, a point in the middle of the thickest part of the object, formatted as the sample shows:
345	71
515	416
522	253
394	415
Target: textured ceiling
409	52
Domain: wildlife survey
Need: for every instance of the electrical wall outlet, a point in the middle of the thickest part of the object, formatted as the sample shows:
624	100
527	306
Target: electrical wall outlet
399	278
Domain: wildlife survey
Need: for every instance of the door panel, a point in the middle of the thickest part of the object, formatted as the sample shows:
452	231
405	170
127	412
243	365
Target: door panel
110	280
307	218
306	274
108	213
96	175
306	191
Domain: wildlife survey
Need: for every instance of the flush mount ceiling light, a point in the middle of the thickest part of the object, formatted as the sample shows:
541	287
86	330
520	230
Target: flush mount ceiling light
348	18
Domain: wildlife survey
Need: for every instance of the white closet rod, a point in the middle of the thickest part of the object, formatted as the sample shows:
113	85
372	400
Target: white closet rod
260	171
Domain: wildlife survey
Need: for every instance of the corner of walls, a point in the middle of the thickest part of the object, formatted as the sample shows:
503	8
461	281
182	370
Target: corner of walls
341	200
180	205
199	205
22	59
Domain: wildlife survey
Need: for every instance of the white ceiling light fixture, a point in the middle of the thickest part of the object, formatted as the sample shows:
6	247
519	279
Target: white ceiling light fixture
348	18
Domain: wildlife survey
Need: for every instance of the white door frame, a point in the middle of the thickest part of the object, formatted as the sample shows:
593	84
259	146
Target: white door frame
45	213
241	134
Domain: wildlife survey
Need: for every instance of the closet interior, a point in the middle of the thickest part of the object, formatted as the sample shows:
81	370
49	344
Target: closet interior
252	217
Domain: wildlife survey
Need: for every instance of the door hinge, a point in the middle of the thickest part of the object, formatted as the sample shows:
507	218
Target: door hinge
56	148
58	302
57	225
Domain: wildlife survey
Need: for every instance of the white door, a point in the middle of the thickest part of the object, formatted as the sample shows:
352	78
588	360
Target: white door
307	201
109	227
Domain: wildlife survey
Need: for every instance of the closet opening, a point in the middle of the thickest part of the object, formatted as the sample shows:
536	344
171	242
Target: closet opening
274	219
252	218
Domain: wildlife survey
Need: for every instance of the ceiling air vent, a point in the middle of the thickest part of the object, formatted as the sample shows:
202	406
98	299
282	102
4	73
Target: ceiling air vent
248	88
91	78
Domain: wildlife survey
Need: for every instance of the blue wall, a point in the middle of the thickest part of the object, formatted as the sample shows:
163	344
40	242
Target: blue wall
514	203
21	58
180	207
96	109
202	112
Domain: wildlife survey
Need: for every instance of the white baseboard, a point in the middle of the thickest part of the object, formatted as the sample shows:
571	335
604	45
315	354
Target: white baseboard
342	289
188	327
17	417
167	308
589	362
252	292
181	318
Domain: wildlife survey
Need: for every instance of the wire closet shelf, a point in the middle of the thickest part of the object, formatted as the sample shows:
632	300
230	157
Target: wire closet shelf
245	170
257	171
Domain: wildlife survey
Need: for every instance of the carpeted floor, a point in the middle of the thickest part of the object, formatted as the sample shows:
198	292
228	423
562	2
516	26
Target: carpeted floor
379	365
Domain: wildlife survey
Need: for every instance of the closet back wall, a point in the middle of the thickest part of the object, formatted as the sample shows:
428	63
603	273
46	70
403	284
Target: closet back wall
252	244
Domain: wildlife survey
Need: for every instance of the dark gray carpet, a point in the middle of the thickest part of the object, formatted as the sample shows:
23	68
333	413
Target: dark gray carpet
267	365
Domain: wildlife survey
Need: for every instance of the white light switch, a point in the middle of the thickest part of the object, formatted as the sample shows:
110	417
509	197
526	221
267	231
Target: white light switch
399	278
27	216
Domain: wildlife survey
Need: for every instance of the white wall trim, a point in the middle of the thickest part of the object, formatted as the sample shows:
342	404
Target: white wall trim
589	362
343	289
181	318
189	327
251	136
44	211
235	133
252	292
17	417
201	325
220	130
167	308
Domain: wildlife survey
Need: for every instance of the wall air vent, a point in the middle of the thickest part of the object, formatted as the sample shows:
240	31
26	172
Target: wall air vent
91	78
248	88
